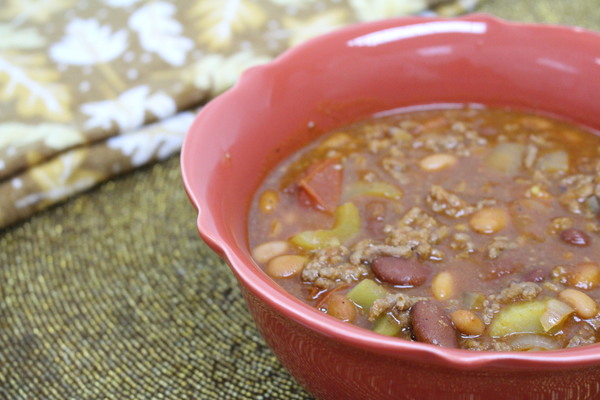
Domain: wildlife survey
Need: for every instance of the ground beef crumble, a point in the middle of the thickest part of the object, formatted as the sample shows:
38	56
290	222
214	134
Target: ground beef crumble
420	232
443	202
397	303
498	245
585	334
462	243
368	250
578	191
328	268
522	291
396	168
478	344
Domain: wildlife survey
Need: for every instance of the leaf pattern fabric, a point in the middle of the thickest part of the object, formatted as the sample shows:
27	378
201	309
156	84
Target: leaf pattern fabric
92	89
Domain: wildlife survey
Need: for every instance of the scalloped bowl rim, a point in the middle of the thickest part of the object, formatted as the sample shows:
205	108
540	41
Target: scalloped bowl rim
274	296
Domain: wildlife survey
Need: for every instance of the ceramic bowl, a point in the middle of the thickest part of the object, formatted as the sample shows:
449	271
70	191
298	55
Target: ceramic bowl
346	76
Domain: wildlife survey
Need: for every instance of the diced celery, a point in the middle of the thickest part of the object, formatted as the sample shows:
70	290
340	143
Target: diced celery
506	157
366	292
387	325
519	318
381	189
347	224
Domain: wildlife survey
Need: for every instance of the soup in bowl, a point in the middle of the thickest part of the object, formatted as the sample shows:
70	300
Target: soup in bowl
457	75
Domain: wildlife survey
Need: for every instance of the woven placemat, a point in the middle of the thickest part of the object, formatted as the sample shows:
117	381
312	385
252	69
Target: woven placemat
112	295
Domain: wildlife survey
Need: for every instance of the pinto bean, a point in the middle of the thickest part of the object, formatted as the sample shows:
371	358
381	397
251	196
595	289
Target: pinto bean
442	286
585	276
340	307
584	305
467	322
575	237
437	162
286	266
431	324
489	220
400	271
268	201
266	251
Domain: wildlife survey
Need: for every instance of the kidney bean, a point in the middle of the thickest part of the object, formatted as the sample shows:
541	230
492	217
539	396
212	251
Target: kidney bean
575	237
400	271
430	324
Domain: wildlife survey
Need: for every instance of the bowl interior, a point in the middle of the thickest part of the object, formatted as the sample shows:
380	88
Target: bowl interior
356	72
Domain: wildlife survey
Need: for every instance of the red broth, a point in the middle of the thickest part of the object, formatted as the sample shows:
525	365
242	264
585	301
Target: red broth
472	228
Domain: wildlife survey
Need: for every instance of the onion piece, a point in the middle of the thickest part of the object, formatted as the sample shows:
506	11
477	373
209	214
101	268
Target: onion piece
506	157
533	342
556	161
555	314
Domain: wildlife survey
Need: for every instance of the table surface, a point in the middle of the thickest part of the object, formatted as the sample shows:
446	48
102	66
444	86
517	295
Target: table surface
113	295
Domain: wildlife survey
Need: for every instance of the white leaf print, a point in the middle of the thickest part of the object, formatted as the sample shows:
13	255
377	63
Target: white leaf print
60	177
216	72
55	136
160	33
220	21
159	141
128	110
368	10
27	38
27	79
120	3
87	43
36	11
293	3
318	24
179	123
161	105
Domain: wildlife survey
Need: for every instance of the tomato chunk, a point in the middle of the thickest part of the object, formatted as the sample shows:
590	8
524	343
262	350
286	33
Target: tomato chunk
323	184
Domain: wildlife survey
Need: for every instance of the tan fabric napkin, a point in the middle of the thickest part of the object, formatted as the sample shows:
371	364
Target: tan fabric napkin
91	89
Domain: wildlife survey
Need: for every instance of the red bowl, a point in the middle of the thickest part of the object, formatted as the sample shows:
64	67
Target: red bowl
346	76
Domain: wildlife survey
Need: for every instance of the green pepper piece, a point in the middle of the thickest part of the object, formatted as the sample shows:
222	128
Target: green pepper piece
347	224
381	189
387	325
366	292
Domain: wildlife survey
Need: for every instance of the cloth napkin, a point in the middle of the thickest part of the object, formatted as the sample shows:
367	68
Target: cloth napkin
92	89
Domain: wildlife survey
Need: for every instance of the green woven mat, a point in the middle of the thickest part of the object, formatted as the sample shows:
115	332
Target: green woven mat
113	295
